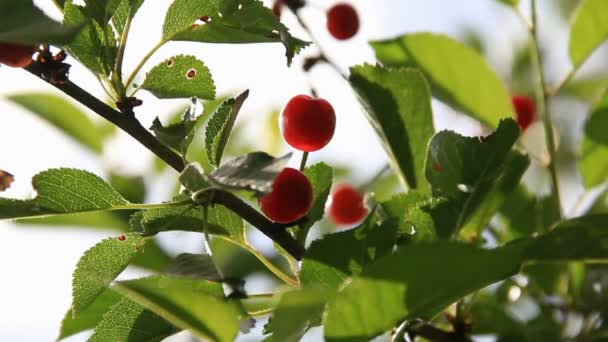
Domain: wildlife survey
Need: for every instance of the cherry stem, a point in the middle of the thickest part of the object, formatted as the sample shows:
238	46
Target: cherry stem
366	186
303	161
133	127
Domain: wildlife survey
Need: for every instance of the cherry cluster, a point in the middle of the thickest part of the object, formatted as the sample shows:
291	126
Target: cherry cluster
308	124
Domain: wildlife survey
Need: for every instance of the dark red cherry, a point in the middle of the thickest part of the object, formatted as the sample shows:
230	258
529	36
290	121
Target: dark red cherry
290	199
308	123
347	205
525	110
342	21
16	55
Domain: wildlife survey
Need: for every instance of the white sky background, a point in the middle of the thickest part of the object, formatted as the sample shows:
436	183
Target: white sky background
37	263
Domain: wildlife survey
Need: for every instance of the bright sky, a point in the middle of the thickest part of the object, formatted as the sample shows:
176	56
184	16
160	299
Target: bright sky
37	263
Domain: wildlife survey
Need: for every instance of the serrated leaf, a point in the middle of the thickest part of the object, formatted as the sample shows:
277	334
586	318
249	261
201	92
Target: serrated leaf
22	22
195	305
254	171
524	214
393	290
228	21
95	46
321	177
589	30
129	321
330	260
126	9
195	266
594	149
414	212
180	77
464	169
63	191
220	126
296	311
90	316
450	66
398	103
192	178
100	265
101	10
174	135
64	115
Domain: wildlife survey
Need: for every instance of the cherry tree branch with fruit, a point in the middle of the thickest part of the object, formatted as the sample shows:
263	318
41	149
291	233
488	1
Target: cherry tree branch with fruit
408	254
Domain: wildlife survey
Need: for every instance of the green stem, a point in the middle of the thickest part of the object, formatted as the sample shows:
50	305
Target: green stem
143	62
136	206
555	90
543	109
367	185
121	52
303	161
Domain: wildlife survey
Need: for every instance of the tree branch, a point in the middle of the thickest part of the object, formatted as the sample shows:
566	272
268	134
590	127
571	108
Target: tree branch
131	126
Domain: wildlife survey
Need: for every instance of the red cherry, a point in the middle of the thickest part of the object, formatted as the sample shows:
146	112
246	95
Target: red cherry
308	123
525	108
347	205
277	7
290	199
15	55
122	238
342	21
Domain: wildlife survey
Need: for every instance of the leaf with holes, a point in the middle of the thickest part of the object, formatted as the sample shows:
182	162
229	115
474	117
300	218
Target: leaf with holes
180	76
450	66
100	265
64	191
22	22
193	304
398	103
464	170
129	321
589	30
220	126
254	171
228	21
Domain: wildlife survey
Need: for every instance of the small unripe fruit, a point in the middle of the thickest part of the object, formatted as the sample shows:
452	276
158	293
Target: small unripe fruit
342	21
308	123
347	206
16	55
290	199
525	109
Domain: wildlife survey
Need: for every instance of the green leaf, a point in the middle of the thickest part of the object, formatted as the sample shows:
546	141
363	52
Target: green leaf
193	177
524	214
337	256
450	66
95	46
296	311
321	176
22	22
90	316
589	30
99	266
101	10
179	77
398	104
464	170
512	3
395	289
414	212
64	115
174	135
133	188
220	126
508	180
587	89
196	266
230	21
63	191
196	305
594	149
123	12
129	321
254	171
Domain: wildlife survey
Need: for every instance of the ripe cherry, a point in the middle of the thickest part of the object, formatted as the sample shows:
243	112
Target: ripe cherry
347	205
525	108
342	21
308	123
16	55
290	199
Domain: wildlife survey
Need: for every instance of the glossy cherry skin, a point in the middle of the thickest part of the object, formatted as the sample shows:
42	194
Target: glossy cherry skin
308	123
525	109
15	55
290	199
342	21
347	205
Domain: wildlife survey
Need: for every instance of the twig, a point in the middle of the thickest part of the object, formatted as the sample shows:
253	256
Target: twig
131	126
544	109
433	333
